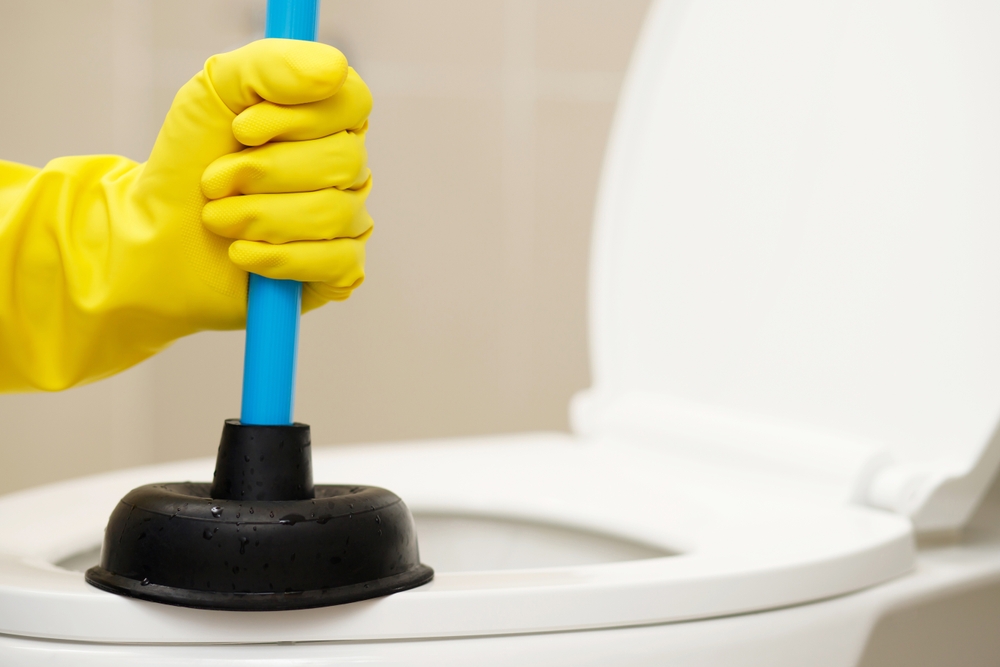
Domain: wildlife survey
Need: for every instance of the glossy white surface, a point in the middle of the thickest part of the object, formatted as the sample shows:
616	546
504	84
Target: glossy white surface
744	543
838	632
796	231
466	543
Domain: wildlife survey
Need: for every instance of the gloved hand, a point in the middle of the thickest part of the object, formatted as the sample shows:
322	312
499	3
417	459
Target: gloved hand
104	262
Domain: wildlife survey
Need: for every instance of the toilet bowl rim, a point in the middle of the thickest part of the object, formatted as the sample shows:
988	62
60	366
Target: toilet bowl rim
701	584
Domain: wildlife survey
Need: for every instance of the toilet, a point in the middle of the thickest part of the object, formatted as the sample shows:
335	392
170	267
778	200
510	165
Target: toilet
795	352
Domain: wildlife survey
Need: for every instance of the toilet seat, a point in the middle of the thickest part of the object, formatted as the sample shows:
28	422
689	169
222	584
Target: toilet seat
760	552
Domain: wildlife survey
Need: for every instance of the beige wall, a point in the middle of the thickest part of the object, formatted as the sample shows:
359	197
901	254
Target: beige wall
488	131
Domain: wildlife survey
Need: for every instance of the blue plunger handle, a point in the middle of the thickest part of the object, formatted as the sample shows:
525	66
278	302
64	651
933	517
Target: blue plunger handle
273	305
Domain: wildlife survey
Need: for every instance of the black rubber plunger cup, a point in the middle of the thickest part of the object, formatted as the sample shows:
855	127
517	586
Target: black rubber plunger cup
261	537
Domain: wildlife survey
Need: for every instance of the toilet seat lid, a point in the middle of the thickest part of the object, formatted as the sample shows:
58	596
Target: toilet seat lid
797	229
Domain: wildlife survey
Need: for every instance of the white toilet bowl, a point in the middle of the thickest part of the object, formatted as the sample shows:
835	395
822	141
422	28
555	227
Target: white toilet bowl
703	558
614	549
794	323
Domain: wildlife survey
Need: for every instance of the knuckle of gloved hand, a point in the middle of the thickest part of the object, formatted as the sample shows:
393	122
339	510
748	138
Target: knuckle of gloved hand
231	173
348	223
360	94
325	292
357	225
257	256
353	159
358	278
213	185
246	170
350	280
332	224
340	264
259	124
319	67
367	225
239	212
356	256
218	217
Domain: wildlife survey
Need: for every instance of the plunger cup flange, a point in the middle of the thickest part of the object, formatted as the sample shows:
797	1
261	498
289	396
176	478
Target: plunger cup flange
234	545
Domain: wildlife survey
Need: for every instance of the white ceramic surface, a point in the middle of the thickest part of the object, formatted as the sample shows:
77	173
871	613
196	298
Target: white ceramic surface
742	543
795	234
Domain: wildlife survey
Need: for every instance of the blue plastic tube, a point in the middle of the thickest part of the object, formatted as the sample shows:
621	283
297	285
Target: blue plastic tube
273	305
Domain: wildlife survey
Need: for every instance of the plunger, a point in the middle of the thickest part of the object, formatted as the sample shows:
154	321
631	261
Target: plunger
261	536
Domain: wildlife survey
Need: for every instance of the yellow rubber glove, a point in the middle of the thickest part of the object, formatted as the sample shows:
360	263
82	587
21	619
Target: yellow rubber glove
104	262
